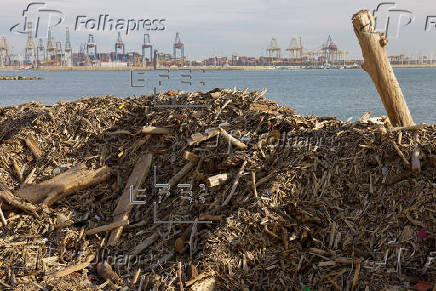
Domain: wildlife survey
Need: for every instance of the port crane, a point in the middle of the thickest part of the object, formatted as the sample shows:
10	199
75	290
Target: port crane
40	51
274	51
4	52
178	45
59	54
295	49
147	45
30	49
91	48
51	47
119	44
330	51
68	48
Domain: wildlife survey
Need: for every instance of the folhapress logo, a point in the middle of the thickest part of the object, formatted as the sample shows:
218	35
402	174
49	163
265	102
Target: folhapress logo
389	19
107	23
35	14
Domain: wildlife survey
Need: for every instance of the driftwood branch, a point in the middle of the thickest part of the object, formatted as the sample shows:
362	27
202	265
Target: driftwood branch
236	142
16	202
107	227
124	206
70	182
74	268
235	184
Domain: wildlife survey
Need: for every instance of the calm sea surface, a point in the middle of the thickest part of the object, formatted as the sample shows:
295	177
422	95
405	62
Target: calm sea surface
341	93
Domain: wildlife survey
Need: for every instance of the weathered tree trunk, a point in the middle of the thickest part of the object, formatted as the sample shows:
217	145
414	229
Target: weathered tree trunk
379	68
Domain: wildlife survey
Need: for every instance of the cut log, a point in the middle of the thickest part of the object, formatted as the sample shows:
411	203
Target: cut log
34	148
70	182
156	130
124	206
16	202
379	68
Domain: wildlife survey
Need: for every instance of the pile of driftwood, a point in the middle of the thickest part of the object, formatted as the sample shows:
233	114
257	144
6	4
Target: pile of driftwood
223	189
9	78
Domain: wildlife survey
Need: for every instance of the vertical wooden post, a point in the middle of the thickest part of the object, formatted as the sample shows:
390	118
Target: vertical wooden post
379	68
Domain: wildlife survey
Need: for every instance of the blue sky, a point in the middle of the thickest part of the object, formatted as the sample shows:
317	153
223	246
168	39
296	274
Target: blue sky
224	27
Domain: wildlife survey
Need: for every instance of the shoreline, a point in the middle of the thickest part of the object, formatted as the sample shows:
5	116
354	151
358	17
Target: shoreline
196	68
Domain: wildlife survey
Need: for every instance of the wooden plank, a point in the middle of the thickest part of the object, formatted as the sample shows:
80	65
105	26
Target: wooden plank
124	206
379	68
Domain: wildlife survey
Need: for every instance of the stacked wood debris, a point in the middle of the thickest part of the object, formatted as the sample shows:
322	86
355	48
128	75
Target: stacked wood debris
9	78
223	190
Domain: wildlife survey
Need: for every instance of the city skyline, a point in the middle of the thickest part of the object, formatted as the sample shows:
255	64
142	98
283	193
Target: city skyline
225	28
